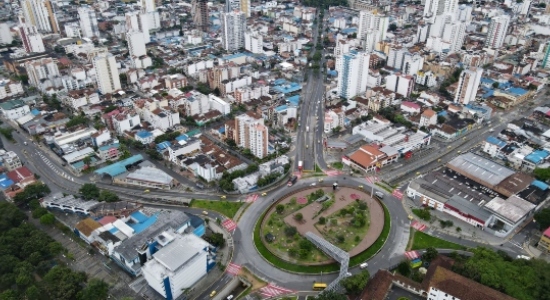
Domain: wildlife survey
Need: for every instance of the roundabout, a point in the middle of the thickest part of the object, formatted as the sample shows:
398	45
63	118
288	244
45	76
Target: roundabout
347	217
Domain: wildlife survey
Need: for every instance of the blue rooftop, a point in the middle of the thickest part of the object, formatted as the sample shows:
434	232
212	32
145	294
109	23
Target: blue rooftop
221	130
143	221
163	145
233	56
5	182
442	113
35	112
288	88
119	167
107	147
294	100
517	91
144	134
349	30
279	81
182	137
537	156
493	140
281	108
539	184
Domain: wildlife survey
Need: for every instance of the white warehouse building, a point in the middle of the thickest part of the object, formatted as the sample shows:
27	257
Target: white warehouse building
178	265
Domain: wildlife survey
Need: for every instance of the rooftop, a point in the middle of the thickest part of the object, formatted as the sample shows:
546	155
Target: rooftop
512	209
119	167
495	141
150	174
479	168
183	249
13	104
87	226
468	207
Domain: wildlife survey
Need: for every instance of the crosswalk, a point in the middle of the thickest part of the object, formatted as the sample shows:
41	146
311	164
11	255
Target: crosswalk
272	290
517	244
418	226
233	269
229	225
251	198
54	168
412	255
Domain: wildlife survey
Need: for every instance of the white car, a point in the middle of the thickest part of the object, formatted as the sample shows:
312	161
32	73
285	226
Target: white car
314	184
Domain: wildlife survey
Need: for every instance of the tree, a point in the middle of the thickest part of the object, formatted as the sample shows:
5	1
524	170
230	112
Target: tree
495	85
89	191
298	217
322	220
330	295
430	254
280	208
392	27
39	212
290	231
31	192
108	196
95	290
404	268
543	218
87	160
440	119
47	219
532	87
63	284
542	173
216	239
356	283
231	143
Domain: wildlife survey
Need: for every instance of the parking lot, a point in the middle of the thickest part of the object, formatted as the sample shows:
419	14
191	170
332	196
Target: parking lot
450	183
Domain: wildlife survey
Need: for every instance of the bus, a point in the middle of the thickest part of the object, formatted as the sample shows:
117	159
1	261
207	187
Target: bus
318	286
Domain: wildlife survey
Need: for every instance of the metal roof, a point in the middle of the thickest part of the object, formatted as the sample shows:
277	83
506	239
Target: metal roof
475	166
183	249
511	210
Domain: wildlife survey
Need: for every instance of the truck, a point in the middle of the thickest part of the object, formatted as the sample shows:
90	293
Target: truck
300	164
292	181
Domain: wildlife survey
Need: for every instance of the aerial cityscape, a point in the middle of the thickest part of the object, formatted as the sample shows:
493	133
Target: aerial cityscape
283	150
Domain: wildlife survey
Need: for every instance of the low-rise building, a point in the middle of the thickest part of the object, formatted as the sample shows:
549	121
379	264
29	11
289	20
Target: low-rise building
544	242
14	109
183	147
10	88
146	176
69	203
9	160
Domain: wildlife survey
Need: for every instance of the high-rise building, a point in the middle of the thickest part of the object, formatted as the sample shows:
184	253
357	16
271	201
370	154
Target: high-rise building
546	58
254	42
5	34
454	33
106	73
138	21
372	28
88	22
40	13
43	73
251	133
412	63
400	83
353	75
468	83
200	14
245	7
434	8
148	6
233	29
136	43
31	38
497	31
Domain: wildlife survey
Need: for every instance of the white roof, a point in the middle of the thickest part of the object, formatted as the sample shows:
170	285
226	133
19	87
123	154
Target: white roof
181	250
78	155
127	230
24	119
512	209
151	174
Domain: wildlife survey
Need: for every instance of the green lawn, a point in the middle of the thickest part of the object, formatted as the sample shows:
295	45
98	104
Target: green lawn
354	261
338	165
423	241
226	208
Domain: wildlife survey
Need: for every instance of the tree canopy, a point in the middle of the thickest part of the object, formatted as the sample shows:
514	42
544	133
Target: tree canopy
543	218
31	192
89	191
330	295
356	283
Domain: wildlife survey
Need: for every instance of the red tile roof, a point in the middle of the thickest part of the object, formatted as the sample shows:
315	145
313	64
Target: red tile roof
20	174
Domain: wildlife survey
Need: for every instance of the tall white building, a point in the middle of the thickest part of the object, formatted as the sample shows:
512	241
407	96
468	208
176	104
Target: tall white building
148	6
434	8
5	34
40	13
31	38
412	63
137	21
251	133
468	84
254	42
353	75
372	28
400	83
446	33
136	43
88	22
233	29
43	73
106	73
497	31
396	56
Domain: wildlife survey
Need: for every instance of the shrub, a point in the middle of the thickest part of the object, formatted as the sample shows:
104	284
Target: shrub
340	238
322	220
423	214
280	208
290	231
298	217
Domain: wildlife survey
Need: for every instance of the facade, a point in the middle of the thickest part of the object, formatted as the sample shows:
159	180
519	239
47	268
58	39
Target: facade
107	76
219	104
10	88
233	30
353	75
427	118
200	14
136	46
138	21
433	8
5	34
14	109
251	133
544	242
372	28
468	84
253	42
400	83
182	261
125	122
88	22
40	13
497	31
31	38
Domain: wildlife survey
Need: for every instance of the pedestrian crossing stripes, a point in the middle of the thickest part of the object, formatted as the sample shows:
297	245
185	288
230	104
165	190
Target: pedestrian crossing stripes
229	225
418	226
53	167
272	290
397	194
252	198
233	269
412	255
333	173
372	179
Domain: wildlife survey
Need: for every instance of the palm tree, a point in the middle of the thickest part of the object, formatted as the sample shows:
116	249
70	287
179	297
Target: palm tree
87	160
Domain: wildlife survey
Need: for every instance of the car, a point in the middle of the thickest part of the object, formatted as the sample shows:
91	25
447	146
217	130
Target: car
307	146
363	265
314	184
223	197
380	195
320	179
348	274
146	191
360	186
318	141
213	294
264	194
229	297
318	102
204	212
410	217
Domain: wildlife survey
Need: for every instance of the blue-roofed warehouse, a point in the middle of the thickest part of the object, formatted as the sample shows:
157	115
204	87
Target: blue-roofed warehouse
537	157
120	167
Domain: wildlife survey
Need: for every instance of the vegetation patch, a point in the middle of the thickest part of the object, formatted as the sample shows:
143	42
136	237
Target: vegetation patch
423	213
422	240
346	227
226	208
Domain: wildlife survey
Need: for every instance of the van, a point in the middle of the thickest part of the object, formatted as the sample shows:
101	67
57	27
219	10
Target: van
363	265
200	185
213	294
379	195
